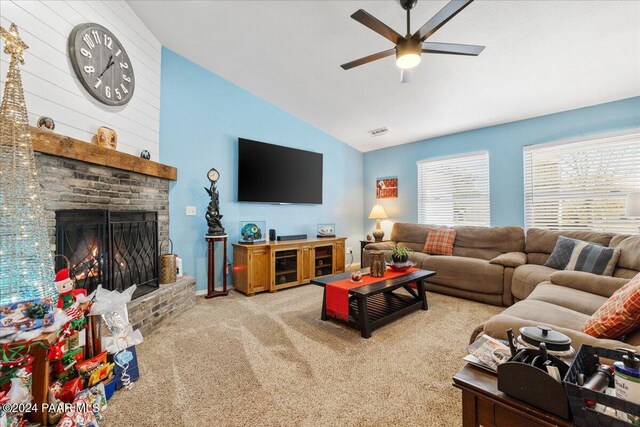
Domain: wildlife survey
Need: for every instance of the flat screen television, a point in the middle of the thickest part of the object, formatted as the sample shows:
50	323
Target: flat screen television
270	173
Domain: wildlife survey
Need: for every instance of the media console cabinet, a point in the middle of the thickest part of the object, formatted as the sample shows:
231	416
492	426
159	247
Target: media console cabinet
272	266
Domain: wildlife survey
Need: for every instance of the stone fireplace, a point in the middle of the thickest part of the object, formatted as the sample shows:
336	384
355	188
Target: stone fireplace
108	212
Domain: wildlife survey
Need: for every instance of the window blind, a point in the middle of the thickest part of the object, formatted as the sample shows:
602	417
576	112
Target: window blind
454	190
582	185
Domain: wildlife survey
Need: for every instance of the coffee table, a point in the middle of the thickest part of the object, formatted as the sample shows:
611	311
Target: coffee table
372	306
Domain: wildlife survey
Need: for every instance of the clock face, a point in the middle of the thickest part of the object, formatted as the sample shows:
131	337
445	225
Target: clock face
101	64
213	175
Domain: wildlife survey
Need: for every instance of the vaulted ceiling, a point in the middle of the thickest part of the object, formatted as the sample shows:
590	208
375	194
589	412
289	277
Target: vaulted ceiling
541	57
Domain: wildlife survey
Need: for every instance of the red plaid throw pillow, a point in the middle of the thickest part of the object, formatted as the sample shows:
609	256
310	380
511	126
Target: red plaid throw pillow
439	241
619	315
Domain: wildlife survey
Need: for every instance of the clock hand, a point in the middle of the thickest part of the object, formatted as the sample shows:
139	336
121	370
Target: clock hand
110	63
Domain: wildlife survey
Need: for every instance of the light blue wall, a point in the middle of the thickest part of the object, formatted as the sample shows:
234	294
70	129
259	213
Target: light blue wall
504	144
201	118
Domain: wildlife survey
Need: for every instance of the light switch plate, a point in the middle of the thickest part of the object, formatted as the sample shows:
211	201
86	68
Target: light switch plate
191	211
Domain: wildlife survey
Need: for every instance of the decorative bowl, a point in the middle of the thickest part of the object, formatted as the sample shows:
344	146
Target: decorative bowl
356	276
401	266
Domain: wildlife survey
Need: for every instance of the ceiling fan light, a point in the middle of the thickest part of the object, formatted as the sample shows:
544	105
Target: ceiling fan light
408	60
408	54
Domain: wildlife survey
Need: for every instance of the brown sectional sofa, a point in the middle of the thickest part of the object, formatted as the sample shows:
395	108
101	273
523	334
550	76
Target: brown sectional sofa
563	300
468	273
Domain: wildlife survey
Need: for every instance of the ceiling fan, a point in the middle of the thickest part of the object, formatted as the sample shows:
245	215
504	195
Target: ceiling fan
409	48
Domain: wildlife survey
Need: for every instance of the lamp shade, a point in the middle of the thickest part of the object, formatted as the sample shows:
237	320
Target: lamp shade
633	204
378	213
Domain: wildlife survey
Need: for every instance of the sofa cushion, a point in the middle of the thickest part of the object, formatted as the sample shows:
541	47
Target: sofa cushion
624	273
537	258
603	286
527	277
561	254
573	299
543	241
408	232
417	257
487	242
547	313
510	259
379	246
440	241
471	274
594	259
416	247
619	315
629	251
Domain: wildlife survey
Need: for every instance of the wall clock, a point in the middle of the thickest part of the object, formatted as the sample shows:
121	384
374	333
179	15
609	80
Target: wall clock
101	64
213	175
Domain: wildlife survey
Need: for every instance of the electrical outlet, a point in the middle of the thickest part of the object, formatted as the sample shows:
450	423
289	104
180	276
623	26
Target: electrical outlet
349	250
191	211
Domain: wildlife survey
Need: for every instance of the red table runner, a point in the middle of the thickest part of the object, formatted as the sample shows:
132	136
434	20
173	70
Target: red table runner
337	293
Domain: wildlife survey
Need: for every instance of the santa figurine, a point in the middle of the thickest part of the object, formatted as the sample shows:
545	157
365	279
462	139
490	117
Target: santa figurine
69	299
65	287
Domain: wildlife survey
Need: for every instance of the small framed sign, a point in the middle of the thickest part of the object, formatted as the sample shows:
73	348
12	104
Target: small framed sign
387	188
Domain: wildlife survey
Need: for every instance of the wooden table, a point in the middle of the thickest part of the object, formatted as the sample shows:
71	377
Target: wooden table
363	243
372	306
484	405
211	267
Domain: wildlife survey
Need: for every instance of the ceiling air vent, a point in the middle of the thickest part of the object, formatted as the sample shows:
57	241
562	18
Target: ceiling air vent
379	132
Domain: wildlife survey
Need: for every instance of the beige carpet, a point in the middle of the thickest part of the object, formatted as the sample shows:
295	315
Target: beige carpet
269	360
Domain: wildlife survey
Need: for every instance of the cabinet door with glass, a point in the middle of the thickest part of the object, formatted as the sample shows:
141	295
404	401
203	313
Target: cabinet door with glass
323	260
285	267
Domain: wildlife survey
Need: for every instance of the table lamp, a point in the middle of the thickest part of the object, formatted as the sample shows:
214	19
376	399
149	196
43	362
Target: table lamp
378	213
633	204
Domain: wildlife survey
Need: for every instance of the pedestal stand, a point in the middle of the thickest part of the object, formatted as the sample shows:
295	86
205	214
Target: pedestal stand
211	288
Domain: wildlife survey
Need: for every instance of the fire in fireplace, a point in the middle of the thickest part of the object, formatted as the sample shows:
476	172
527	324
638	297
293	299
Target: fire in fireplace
112	249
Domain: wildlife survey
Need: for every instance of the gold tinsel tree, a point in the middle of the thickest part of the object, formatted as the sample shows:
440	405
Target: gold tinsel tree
26	267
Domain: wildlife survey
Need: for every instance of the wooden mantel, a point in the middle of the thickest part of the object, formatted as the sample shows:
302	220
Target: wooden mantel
70	148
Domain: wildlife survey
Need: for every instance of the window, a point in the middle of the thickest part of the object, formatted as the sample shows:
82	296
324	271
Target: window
582	185
454	190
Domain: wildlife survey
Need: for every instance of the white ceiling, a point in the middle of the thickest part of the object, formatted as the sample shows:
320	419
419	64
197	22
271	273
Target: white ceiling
541	57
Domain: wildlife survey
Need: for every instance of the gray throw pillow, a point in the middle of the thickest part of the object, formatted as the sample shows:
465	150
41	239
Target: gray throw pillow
594	259
561	254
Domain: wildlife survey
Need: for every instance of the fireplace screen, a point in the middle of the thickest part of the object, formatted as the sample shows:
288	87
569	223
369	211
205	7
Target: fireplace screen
112	249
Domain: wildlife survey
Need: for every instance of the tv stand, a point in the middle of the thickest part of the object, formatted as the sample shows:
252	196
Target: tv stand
273	266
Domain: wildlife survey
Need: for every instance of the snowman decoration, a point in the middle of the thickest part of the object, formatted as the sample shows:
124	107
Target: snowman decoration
71	300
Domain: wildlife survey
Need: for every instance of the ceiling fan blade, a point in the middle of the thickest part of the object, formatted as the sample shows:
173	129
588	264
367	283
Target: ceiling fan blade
452	48
406	75
439	19
376	25
367	59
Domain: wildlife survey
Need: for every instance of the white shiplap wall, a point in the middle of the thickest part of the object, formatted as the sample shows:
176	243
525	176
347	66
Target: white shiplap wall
51	87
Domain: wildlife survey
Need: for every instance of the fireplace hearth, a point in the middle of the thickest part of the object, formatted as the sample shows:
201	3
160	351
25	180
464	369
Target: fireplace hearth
115	249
